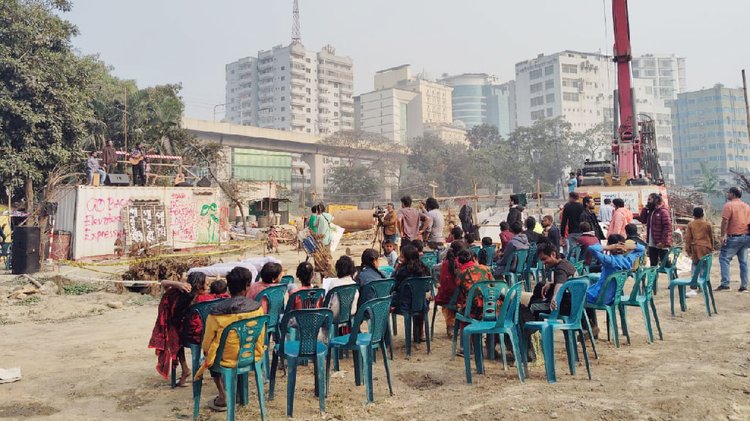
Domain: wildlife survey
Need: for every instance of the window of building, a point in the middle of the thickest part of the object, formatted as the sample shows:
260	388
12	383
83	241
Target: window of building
535	74
283	88
569	83
283	108
335	104
537	115
570	96
283	98
549	112
307	60
283	118
283	67
308	90
307	110
569	68
549	70
307	100
537	87
549	84
537	101
308	120
550	98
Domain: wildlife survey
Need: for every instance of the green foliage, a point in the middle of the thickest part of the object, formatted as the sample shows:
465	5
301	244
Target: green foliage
78	288
354	182
43	91
709	180
29	301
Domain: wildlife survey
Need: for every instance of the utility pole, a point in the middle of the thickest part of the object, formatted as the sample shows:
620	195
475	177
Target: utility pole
215	107
125	119
747	107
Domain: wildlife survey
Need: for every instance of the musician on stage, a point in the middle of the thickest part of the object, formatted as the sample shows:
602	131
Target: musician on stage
138	160
109	157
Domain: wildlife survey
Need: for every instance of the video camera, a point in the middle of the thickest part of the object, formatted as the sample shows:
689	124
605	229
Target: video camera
379	214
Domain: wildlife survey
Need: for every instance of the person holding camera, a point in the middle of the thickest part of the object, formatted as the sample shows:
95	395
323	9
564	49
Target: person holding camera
390	224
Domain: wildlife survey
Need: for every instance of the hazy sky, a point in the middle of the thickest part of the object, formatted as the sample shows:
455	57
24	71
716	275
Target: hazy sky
190	41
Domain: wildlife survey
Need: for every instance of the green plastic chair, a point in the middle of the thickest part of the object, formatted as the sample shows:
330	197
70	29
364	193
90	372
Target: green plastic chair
196	349
309	324
489	311
505	323
430	258
387	271
580	268
310	298
475	250
490	255
236	379
346	295
531	267
574	254
519	258
363	345
570	325
5	252
701	278
642	296
619	278
379	289
274	296
668	266
287	279
417	289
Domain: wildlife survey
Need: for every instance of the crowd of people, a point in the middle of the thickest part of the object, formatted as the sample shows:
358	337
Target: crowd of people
460	267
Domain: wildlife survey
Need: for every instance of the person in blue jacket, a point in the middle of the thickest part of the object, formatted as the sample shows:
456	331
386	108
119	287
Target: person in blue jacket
621	256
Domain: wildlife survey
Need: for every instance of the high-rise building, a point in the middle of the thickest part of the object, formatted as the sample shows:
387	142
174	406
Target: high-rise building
710	133
580	88
292	88
666	70
479	98
402	105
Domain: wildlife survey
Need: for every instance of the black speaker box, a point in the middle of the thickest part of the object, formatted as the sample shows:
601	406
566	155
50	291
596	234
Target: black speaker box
118	180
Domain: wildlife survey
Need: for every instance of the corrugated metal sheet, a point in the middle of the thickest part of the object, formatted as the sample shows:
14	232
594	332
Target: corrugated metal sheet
195	216
66	209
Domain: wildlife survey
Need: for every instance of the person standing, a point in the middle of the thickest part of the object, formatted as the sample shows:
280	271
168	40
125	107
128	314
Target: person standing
699	242
436	236
735	218
466	216
571	219
409	221
324	221
572	183
138	160
109	157
551	231
621	216
589	216
92	166
605	211
515	213
390	224
658	228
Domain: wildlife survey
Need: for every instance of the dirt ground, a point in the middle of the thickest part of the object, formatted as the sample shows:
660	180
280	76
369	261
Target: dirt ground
82	360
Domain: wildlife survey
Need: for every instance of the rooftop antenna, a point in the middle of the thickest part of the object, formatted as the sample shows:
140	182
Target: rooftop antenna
296	35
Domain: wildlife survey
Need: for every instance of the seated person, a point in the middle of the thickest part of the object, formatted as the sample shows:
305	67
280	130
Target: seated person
505	235
305	274
470	239
482	257
620	257
588	238
219	289
456	233
411	266
92	166
344	276
270	275
448	269
369	271
518	242
391	255
238	307
531	234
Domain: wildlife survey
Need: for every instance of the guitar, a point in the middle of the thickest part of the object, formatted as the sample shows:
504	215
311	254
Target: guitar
135	160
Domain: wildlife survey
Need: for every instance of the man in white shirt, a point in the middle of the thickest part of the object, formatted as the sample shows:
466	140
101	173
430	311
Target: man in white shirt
605	211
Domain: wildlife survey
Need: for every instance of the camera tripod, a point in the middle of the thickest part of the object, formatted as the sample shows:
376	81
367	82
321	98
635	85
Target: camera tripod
377	237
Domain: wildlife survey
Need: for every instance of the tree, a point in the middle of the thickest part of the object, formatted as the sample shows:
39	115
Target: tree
484	136
593	143
43	93
709	180
353	182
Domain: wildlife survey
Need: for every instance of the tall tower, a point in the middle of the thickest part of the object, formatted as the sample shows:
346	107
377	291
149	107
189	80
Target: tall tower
296	35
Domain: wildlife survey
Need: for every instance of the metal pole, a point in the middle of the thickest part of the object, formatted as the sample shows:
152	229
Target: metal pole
216	106
125	119
747	107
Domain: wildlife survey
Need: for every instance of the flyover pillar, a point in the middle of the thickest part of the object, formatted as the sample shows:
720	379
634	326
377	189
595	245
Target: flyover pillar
315	161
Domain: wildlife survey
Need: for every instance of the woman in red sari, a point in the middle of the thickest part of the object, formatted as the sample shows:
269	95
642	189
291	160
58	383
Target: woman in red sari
168	333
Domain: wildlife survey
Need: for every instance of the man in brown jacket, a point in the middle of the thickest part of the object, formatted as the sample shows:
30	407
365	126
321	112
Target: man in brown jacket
109	157
699	242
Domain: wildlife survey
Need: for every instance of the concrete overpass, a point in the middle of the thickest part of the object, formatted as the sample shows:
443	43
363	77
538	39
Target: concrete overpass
308	145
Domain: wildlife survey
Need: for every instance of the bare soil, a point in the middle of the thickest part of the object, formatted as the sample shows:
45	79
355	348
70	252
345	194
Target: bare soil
82	360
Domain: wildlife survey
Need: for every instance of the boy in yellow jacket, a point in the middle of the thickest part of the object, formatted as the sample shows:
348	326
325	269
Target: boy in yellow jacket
237	307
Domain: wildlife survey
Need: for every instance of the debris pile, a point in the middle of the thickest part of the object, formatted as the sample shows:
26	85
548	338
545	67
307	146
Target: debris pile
682	201
34	287
171	268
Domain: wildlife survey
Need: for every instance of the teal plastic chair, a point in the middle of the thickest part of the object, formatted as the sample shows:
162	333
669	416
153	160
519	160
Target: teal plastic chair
417	289
580	268
505	323
196	351
363	345
491	289
519	258
642	296
668	266
475	250
236	379
379	289
570	325
387	271
287	279
310	298
310	323
574	254
430	258
346	295
701	278
5	252
489	252
531	267
619	278
274	296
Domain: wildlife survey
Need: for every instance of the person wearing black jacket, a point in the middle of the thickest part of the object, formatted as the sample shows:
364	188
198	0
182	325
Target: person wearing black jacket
515	214
571	218
589	216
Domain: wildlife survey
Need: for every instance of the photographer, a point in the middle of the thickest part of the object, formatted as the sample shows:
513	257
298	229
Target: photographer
389	222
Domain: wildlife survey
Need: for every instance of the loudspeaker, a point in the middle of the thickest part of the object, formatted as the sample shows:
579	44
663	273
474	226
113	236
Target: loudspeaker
25	251
118	180
203	182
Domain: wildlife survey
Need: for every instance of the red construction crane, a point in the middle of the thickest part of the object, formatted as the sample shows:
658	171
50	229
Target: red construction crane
632	151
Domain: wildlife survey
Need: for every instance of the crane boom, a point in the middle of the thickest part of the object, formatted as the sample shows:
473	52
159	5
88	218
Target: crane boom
626	146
